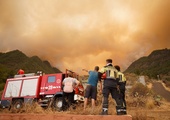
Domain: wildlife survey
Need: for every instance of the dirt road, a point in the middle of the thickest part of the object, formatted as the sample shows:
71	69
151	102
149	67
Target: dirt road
159	89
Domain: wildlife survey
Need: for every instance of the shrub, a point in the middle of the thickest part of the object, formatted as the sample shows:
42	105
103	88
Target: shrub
140	96
139	90
2	86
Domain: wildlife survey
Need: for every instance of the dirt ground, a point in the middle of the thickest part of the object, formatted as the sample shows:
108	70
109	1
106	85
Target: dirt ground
150	114
135	115
61	117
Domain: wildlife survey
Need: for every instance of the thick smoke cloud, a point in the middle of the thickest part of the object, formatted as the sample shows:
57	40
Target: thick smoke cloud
81	34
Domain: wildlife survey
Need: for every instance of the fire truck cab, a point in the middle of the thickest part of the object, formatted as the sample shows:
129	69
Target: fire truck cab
46	89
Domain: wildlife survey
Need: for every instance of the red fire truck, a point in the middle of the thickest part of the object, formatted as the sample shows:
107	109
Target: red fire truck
45	89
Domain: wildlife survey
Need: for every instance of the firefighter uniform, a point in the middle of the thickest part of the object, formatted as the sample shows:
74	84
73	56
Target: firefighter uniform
122	84
110	86
121	110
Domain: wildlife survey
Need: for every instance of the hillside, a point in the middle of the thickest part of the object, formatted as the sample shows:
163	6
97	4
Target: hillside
157	63
12	61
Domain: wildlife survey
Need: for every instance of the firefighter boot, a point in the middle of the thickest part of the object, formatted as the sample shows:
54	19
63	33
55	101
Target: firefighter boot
118	110
121	110
124	111
104	111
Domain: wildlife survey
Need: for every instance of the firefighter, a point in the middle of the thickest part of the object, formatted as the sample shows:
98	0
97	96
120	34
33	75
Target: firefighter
109	86
122	84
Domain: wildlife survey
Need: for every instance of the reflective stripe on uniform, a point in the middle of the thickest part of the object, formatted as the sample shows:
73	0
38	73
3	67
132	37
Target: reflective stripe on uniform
121	77
110	71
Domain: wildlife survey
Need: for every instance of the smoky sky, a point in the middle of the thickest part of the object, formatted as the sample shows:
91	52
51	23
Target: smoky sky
76	34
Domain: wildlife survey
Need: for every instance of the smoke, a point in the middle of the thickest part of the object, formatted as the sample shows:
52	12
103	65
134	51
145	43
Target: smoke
81	34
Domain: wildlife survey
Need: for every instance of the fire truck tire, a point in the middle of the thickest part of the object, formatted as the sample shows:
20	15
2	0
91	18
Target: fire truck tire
17	104
58	103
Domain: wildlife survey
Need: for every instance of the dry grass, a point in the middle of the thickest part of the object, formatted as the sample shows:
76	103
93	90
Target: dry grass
149	112
140	115
150	104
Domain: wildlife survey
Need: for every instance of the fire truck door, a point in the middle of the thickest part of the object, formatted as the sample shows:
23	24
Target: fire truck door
53	84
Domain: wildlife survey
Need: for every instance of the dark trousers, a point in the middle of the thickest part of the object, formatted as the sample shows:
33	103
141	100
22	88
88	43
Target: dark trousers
122	92
115	95
68	98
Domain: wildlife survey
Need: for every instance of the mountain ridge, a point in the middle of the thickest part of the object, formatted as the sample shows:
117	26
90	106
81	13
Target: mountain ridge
12	61
156	63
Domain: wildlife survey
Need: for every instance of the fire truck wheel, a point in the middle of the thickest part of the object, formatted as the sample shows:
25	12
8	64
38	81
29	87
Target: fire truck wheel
17	104
58	103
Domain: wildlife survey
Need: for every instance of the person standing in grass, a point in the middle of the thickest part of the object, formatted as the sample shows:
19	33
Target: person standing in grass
109	86
121	84
68	90
91	88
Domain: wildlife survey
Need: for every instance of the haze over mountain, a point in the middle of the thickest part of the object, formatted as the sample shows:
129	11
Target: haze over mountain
158	62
